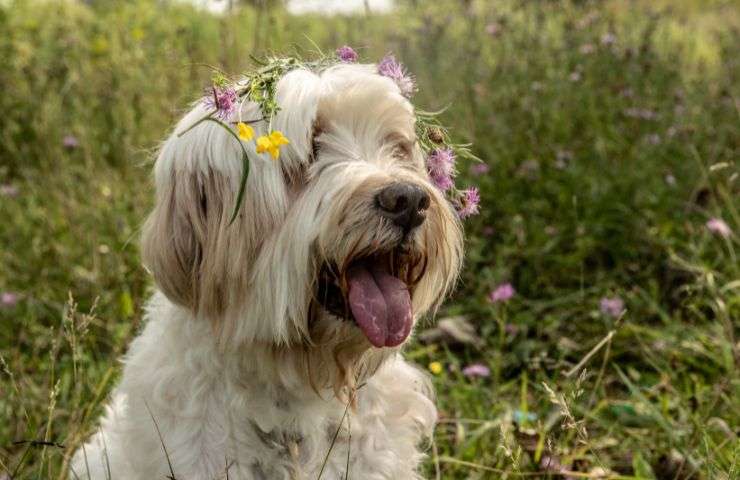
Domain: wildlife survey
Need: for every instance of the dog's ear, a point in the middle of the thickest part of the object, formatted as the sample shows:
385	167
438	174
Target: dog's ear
197	258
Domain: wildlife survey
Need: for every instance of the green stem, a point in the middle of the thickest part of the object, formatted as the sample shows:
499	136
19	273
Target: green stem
245	164
207	117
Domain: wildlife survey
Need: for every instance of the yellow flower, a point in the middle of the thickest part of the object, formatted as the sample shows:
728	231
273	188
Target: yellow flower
246	132
278	139
271	144
435	368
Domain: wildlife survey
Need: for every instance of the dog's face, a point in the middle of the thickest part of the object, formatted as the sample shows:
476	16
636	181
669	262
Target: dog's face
342	241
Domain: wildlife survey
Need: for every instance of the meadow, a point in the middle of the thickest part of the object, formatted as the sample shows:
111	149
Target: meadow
595	329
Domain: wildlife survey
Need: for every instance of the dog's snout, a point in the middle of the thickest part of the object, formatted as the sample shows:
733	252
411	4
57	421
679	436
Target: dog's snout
403	203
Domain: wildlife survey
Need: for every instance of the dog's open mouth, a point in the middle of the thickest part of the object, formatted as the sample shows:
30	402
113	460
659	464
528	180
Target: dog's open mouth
375	291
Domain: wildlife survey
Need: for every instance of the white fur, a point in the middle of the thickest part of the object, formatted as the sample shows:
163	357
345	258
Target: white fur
227	384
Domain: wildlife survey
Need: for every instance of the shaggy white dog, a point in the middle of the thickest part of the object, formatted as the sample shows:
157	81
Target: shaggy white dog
277	333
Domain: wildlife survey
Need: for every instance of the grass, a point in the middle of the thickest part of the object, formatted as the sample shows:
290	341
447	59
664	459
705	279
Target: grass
606	161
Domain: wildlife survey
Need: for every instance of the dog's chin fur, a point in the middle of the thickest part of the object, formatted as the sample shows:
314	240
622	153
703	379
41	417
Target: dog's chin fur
250	353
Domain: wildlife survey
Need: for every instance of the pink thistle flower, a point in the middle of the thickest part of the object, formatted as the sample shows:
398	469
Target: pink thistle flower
608	39
8	190
493	29
223	100
478	169
441	162
347	54
469	202
719	227
391	68
442	182
502	293
70	142
587	49
611	306
8	299
476	370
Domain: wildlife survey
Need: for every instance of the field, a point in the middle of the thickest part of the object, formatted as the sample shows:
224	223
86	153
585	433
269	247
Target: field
610	133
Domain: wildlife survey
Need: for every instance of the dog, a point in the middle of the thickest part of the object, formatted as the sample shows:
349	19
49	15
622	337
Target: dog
272	346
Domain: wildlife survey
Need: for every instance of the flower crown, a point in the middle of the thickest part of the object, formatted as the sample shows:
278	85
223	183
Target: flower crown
225	97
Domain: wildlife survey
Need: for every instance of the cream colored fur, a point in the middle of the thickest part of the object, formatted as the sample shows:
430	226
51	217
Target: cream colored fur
239	366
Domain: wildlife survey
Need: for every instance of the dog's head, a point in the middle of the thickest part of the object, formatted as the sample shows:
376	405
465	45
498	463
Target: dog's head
339	246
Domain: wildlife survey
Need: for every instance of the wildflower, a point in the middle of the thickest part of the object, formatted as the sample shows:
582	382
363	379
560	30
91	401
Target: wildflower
347	54
653	139
719	226
70	142
493	29
575	76
8	190
608	39
442	182
552	464
271	144
476	370
435	368
246	132
502	293
8	299
391	68
641	113
469	202
488	231
612	307
441	162
277	138
479	169
587	48
222	99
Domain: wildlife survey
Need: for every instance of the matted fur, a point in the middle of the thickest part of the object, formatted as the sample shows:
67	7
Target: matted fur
239	364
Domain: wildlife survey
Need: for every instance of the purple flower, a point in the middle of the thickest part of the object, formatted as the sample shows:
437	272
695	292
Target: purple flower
389	67
608	39
441	168
441	162
653	139
641	113
479	169
587	48
611	306
476	370
442	182
221	99
8	190
488	231
8	299
469	202
70	142
493	29
502	293
347	54
719	226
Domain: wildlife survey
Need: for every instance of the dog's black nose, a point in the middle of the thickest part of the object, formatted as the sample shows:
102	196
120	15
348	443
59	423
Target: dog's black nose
404	203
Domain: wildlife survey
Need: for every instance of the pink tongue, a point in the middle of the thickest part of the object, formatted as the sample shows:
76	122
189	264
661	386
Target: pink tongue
381	305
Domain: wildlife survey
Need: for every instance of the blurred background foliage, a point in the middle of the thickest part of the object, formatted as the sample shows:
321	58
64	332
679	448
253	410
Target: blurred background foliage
610	136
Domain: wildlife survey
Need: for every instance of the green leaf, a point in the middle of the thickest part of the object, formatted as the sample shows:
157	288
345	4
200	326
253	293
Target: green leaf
641	467
127	304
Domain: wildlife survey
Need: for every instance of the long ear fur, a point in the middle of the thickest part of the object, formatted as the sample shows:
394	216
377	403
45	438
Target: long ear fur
197	258
189	246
